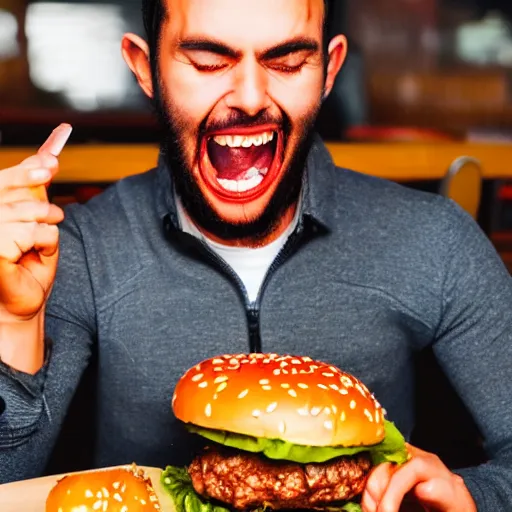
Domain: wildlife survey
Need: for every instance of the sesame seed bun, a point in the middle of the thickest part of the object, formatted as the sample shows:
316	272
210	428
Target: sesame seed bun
287	397
125	489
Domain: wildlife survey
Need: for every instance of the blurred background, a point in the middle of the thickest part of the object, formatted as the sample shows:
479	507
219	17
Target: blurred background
425	82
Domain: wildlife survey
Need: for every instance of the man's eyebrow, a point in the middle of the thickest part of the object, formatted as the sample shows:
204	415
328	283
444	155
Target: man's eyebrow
298	44
198	44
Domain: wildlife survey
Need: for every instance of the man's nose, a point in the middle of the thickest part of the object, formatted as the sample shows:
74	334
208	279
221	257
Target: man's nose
250	89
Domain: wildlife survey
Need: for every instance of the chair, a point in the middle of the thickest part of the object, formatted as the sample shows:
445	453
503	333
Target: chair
463	184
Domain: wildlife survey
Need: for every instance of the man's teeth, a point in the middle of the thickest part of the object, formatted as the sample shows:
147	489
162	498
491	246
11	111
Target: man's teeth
241	185
239	141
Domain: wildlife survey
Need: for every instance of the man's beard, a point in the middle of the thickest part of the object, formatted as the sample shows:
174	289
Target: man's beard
204	216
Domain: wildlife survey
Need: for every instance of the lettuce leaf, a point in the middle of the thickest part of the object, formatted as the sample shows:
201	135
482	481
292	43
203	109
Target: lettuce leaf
391	449
177	482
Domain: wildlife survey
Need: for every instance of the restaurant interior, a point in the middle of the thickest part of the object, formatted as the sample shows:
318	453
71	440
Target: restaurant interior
424	99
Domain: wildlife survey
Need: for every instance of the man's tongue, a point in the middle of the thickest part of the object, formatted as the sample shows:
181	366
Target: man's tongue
233	163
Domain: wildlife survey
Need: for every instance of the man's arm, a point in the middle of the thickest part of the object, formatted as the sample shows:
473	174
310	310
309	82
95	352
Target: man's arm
473	343
34	406
474	347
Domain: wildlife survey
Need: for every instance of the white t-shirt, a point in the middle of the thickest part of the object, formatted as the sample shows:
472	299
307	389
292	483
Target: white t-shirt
250	264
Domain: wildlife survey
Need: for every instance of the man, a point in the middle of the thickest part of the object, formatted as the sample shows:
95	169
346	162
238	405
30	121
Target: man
246	237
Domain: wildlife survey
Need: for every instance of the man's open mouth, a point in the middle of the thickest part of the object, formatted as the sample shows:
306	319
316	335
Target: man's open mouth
241	164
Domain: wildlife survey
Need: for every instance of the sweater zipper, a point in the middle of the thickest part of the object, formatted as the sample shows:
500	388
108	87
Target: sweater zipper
252	310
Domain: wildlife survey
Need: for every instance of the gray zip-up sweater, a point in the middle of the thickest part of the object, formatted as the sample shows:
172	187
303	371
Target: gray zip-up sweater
373	273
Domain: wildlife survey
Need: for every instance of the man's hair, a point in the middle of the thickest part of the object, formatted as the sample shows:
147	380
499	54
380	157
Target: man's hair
154	13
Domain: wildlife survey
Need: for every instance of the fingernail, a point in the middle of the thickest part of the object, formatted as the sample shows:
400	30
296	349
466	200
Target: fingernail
40	174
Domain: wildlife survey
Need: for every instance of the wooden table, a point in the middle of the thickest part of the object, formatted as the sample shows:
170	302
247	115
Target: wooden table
404	162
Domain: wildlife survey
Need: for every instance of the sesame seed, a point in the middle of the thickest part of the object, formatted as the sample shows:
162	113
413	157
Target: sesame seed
266	388
218	369
353	404
292	392
197	377
285	385
203	384
97	505
327	374
313	367
333	386
343	416
302	385
208	410
307	359
272	407
117	497
368	414
215	396
220	379
334	409
198	367
327	410
346	381
264	381
142	502
328	424
217	361
106	494
361	390
283	364
244	361
303	411
285	372
256	413
233	362
99	495
124	508
88	494
333	369
296	361
322	386
105	506
282	427
222	387
377	417
315	411
243	393
294	371
343	391
266	361
277	371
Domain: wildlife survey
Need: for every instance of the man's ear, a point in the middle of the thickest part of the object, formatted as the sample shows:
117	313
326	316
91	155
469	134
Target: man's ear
337	54
136	54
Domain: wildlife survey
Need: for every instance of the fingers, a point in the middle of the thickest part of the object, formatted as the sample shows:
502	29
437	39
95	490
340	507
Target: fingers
376	486
38	169
57	140
30	211
18	238
434	491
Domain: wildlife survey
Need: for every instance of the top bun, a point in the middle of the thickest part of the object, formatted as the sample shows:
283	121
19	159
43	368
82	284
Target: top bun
292	398
125	489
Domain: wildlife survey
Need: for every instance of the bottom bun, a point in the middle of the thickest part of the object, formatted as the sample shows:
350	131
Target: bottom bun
125	489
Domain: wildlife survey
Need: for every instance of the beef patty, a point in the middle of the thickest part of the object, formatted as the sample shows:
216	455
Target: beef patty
246	481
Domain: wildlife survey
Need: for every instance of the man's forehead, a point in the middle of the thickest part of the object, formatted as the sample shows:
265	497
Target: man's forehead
245	22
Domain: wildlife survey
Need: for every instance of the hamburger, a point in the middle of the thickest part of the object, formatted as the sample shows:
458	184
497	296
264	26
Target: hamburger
280	432
124	489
